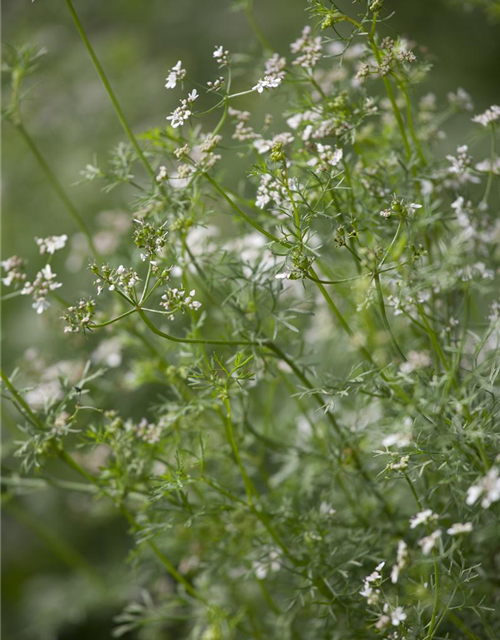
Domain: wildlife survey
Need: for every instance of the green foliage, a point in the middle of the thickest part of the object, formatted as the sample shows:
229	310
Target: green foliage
312	450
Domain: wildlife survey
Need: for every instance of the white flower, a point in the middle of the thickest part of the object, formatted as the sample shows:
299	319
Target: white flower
398	616
398	439
309	49
51	244
402	556
221	55
487	166
490	115
416	360
489	485
162	174
268	82
459	528
150	433
424	517
176	74
429	542
382	622
192	96
40	288
460	100
14	267
412	207
285	275
181	114
272	563
275	65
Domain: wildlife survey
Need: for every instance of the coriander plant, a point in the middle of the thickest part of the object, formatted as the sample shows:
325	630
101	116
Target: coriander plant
313	300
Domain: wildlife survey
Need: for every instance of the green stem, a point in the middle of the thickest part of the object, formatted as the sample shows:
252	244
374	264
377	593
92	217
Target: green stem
56	185
26	410
159	554
385	320
437	581
492	160
111	93
249	487
242	214
233	343
248	8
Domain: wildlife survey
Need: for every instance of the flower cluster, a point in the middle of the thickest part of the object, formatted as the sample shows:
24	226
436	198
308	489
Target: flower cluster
78	318
150	238
308	48
149	432
121	278
51	244
488	488
490	116
14	268
176	74
181	114
40	288
175	300
221	55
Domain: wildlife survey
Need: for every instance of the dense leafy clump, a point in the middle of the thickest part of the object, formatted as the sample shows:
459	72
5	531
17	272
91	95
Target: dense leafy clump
320	456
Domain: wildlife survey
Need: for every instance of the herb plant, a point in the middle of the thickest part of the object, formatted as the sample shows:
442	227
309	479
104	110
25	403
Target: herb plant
320	458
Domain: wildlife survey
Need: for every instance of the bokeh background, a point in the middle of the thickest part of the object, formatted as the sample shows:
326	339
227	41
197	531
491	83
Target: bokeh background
46	593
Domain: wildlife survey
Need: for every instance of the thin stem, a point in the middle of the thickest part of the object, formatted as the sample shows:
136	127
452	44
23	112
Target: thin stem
26	410
160	555
233	343
259	34
385	320
249	487
242	214
111	93
56	185
492	163
113	320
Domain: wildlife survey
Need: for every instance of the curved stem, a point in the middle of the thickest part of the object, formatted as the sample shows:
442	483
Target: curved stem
233	343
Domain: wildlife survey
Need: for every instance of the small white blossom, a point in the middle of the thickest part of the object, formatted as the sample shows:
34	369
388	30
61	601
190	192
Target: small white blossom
150	433
51	244
43	284
429	542
396	439
14	268
221	55
458	528
398	616
271	563
487	166
268	82
416	360
460	100
488	487
162	174
308	47
490	115
424	517
179	116
176	74
402	558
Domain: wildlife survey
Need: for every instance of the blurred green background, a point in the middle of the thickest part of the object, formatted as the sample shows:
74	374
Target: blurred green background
68	114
